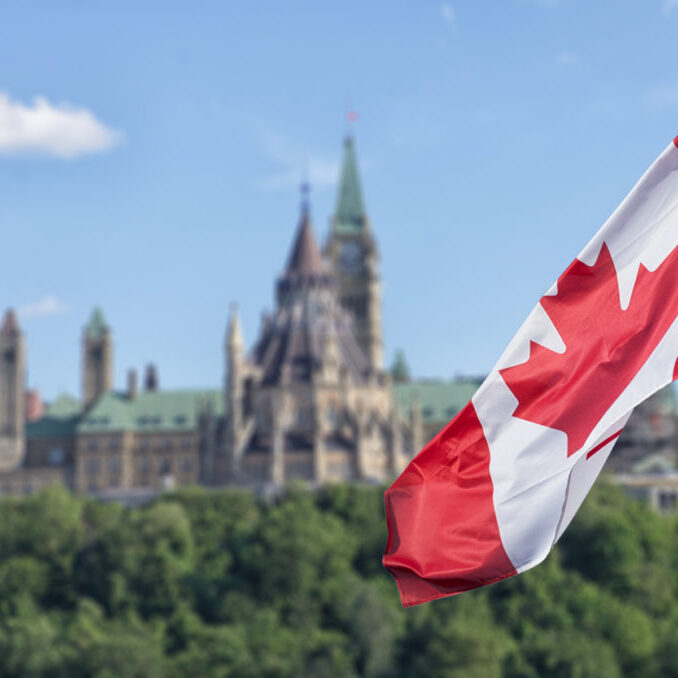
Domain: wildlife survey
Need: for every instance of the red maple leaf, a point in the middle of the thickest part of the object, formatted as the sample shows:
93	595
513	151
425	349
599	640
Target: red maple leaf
605	346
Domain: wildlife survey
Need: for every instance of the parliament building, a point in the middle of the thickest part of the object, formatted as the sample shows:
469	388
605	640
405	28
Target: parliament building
309	400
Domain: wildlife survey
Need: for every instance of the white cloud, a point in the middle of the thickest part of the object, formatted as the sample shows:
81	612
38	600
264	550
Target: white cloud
59	130
47	306
291	164
669	6
449	15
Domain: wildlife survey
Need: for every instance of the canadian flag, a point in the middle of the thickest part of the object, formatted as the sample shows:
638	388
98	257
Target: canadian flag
491	494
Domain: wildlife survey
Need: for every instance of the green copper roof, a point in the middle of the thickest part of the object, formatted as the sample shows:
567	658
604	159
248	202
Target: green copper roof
654	464
158	411
96	327
58	421
150	411
439	400
350	214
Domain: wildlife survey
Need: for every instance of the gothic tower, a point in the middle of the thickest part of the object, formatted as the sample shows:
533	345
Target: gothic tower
353	252
12	357
97	358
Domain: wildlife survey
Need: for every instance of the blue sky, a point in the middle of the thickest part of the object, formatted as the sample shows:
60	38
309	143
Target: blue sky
150	156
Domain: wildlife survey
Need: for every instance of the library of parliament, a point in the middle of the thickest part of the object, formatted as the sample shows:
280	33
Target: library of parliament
310	400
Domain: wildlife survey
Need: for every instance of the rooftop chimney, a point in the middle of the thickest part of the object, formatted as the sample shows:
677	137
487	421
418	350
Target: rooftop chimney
132	384
150	378
33	408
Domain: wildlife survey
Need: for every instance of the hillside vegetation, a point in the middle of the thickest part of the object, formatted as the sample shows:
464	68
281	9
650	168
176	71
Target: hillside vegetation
204	583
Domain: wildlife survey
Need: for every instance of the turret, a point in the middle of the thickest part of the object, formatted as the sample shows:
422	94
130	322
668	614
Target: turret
306	269
235	347
12	367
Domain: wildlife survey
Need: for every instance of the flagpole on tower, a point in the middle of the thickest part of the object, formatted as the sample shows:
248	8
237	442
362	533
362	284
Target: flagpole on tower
350	117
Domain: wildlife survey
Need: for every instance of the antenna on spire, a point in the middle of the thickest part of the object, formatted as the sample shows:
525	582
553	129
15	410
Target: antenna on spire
305	190
305	185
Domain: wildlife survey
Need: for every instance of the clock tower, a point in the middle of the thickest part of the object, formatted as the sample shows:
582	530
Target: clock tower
353	252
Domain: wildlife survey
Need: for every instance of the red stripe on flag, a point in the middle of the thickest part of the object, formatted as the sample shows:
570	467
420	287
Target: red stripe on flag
675	141
599	447
443	536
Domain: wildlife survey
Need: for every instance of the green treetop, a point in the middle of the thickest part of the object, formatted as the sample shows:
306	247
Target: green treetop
400	370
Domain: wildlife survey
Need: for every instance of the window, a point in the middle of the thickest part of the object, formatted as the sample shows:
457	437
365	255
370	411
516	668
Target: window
114	465
92	466
55	456
667	500
187	464
92	445
248	402
262	419
332	415
303	417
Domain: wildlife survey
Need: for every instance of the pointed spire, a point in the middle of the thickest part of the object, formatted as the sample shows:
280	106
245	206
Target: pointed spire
235	338
96	326
350	214
10	325
305	257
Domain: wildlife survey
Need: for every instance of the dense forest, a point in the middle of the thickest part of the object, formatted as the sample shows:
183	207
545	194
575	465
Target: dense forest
206	583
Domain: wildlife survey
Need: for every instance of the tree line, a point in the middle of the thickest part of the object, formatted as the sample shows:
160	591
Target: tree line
221	583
